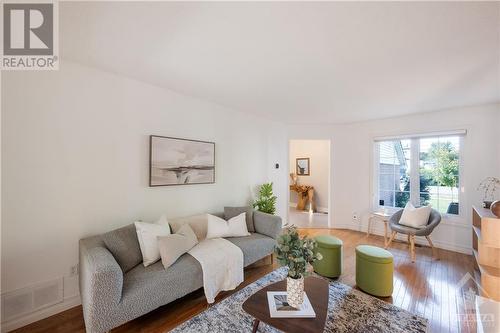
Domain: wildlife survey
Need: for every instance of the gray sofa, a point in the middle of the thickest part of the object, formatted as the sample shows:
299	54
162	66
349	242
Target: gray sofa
113	293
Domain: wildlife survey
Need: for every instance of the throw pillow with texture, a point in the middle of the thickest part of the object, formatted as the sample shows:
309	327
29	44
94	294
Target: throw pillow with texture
230	212
124	246
175	245
219	228
197	222
415	217
147	234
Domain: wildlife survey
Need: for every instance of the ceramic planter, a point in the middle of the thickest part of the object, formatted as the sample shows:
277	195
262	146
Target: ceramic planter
295	291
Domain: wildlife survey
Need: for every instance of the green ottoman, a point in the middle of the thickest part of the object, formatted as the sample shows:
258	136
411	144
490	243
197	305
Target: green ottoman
374	269
331	249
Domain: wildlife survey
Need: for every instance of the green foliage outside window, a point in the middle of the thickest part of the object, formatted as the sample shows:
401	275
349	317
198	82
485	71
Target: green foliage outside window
444	156
403	197
439	168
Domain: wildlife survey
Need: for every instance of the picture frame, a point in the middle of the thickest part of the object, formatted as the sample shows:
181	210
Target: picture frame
178	161
303	166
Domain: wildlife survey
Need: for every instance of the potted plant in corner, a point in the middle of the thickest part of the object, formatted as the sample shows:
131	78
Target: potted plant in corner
266	202
297	254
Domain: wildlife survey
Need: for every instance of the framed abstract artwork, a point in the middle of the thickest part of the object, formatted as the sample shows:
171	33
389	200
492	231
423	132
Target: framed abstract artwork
175	161
303	167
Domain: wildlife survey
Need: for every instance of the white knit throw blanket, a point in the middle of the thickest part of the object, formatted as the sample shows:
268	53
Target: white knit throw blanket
222	265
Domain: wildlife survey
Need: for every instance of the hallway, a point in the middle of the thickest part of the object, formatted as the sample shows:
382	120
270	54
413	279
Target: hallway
305	219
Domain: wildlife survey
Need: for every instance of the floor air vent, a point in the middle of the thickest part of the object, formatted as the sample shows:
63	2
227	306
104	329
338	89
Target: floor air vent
27	300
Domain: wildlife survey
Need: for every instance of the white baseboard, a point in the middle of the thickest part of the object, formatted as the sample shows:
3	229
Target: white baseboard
322	209
67	304
378	229
318	208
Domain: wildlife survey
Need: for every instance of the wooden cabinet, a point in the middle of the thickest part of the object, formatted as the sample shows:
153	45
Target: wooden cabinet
486	249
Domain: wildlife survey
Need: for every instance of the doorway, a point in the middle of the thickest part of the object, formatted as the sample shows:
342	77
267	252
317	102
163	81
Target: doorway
309	183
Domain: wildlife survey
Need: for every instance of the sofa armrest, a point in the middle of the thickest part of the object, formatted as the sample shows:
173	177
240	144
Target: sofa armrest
267	224
101	283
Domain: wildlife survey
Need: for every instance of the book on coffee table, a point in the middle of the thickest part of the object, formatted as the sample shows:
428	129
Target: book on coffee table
279	307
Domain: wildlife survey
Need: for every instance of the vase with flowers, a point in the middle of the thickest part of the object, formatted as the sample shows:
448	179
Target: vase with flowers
297	254
489	186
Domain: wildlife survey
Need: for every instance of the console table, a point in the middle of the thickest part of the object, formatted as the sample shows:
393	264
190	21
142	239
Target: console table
305	194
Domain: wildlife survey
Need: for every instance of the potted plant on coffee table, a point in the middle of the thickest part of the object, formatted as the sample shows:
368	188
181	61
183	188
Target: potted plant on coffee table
297	254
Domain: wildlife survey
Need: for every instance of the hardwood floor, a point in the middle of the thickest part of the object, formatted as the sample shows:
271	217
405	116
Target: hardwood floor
429	288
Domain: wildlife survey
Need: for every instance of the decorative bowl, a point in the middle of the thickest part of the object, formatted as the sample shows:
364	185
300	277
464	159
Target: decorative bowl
495	208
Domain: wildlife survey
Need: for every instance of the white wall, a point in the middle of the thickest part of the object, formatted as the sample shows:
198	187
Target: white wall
351	175
277	153
497	174
75	163
318	151
75	157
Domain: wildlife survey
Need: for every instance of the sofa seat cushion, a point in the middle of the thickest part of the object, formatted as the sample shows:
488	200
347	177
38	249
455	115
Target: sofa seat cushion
254	247
409	230
147	288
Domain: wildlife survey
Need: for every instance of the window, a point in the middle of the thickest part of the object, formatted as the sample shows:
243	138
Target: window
422	171
439	173
394	173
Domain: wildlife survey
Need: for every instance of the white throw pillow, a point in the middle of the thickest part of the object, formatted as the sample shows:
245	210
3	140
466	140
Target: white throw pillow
197	222
175	245
415	217
234	227
147	234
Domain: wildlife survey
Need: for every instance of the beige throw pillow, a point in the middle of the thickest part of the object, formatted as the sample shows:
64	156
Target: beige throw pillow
197	222
175	245
147	234
235	227
415	217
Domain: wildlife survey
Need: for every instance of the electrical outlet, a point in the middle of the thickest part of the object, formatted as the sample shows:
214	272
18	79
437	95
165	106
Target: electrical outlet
73	270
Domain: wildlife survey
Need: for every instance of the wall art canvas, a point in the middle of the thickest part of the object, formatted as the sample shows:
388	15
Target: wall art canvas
303	167
175	161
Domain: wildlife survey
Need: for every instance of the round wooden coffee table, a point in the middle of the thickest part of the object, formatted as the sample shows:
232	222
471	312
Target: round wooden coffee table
317	292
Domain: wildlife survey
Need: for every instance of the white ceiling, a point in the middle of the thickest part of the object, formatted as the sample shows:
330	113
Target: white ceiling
298	62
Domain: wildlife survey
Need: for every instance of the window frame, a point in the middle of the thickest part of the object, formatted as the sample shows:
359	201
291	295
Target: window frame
415	172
